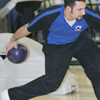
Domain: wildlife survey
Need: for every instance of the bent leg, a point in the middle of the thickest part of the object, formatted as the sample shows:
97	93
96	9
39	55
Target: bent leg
89	58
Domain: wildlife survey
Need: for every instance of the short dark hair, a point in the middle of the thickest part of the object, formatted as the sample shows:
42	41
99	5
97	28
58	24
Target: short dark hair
71	3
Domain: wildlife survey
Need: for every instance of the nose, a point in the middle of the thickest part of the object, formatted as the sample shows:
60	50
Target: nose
83	12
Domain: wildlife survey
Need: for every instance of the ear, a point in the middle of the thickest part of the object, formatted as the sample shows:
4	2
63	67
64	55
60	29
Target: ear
68	8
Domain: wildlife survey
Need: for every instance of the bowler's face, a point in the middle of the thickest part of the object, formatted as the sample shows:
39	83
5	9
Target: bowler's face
78	10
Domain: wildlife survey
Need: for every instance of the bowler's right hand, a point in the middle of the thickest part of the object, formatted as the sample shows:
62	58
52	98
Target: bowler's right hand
10	45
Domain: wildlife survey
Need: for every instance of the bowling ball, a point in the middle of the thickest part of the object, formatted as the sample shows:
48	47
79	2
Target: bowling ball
17	55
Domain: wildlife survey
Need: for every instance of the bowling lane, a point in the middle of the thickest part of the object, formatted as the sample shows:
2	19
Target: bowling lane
85	89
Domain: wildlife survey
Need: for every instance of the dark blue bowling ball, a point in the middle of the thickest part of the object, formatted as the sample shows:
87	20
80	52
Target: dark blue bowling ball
17	55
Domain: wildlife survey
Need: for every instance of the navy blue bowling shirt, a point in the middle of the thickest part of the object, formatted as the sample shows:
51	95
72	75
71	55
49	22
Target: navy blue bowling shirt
56	30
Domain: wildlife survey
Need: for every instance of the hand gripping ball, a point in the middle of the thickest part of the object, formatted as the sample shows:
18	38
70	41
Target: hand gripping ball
17	55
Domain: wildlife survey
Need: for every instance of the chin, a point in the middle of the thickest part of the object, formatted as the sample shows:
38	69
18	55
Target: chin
79	19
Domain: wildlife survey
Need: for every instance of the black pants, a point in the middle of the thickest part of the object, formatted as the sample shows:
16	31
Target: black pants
57	60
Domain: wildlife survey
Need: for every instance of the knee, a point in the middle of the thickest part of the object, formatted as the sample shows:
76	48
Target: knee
94	76
53	83
53	86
